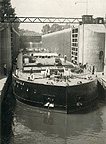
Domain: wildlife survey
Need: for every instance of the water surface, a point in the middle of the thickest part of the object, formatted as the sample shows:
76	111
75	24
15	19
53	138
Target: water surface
32	125
23	124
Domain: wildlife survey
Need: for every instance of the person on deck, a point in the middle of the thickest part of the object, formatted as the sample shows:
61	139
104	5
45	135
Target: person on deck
5	69
93	70
65	58
48	73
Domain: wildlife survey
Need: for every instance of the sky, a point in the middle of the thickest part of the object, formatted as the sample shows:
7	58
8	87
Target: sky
57	8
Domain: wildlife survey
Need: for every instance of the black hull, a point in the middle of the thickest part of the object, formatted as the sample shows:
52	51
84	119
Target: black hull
72	99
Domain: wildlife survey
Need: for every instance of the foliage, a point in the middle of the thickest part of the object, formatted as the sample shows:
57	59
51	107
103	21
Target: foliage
46	29
24	32
6	9
55	27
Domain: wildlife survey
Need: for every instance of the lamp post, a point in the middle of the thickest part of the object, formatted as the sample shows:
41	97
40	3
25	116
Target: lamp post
86	5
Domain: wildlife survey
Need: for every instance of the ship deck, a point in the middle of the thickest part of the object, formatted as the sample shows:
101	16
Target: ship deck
54	80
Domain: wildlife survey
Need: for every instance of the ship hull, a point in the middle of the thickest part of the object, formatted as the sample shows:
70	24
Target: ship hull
72	99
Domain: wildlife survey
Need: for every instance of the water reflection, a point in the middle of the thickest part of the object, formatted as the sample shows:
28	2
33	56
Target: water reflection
32	125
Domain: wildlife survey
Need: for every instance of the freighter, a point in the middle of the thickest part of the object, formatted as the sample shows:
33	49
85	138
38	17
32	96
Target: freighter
49	81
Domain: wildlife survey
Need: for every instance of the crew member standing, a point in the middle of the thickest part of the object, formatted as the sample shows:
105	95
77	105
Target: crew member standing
65	58
93	70
5	69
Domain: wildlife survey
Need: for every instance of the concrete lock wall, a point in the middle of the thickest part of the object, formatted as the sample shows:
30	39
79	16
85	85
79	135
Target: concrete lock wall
5	50
15	43
9	47
59	42
91	46
0	54
105	56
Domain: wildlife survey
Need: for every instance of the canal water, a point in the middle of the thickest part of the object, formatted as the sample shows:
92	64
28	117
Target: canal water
23	124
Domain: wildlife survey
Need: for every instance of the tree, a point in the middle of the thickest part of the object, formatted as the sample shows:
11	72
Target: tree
56	27
67	26
46	29
6	9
